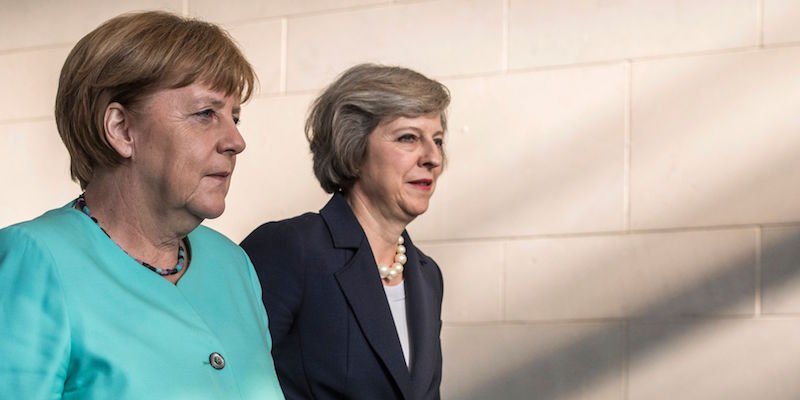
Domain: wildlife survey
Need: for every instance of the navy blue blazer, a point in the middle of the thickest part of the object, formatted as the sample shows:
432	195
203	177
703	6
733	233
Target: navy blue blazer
333	336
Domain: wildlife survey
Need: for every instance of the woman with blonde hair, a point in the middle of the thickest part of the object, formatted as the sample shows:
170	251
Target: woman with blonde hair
121	294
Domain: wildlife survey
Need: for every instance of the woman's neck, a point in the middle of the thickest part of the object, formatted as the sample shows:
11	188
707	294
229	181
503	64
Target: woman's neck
381	232
143	229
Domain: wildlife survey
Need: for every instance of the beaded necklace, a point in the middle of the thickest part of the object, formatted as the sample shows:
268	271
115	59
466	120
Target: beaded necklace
81	205
389	272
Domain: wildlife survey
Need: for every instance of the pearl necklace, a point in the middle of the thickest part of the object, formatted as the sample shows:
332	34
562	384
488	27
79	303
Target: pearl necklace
388	273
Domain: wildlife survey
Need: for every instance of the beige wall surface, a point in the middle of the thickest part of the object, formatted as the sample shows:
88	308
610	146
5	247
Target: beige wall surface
620	216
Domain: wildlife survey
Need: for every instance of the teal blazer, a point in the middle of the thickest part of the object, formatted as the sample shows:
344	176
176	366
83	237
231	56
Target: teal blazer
80	319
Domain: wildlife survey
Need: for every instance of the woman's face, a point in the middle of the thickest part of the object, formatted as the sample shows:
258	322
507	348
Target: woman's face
185	146
402	164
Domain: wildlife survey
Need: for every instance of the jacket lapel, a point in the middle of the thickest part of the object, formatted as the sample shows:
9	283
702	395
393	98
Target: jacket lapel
362	287
422	319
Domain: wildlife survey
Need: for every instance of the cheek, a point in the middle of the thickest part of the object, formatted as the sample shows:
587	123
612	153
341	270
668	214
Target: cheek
195	156
189	168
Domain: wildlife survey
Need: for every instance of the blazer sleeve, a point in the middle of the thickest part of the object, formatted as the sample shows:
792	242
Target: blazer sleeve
277	254
34	325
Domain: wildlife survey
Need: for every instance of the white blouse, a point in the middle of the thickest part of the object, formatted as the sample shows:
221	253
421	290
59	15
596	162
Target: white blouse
397	303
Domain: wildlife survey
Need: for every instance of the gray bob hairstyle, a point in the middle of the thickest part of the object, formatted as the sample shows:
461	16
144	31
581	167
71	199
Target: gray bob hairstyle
345	114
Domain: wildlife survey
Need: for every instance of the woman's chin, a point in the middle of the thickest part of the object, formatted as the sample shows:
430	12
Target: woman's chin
415	211
208	211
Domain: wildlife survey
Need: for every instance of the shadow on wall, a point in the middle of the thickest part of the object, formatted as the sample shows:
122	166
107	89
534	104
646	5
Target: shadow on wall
591	366
598	361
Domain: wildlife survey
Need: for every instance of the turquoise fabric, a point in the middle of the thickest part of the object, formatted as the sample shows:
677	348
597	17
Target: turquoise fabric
80	319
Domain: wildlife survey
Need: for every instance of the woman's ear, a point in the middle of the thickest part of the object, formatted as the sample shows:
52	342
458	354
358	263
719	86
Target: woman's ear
117	126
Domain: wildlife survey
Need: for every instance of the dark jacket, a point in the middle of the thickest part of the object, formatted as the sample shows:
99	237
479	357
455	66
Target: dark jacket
332	329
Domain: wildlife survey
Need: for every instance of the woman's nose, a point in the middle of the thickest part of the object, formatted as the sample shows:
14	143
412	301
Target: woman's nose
234	142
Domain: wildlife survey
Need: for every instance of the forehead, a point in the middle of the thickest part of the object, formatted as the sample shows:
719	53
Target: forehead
427	123
195	93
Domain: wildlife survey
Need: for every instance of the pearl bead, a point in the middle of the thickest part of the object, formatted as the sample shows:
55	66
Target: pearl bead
393	271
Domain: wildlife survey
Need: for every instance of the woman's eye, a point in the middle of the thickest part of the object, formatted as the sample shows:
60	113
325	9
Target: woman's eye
439	142
407	138
236	119
207	113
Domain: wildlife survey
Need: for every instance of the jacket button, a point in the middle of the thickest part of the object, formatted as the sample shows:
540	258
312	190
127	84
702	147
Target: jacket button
216	360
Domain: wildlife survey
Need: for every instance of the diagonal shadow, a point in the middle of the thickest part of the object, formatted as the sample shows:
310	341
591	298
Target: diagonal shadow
572	369
577	365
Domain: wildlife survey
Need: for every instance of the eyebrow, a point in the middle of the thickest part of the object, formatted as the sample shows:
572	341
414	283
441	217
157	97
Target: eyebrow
405	128
415	129
217	103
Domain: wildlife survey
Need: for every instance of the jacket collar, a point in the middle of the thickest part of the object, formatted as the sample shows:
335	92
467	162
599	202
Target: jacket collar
422	316
361	284
345	230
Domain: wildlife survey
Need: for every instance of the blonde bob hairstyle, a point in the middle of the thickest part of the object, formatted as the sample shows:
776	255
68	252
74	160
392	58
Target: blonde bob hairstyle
346	113
128	58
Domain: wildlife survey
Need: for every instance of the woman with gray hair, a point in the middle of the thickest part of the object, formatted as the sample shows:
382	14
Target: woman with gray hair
354	306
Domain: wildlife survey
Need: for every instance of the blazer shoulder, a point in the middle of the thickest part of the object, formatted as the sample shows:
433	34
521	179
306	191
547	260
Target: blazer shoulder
205	235
269	232
427	261
300	223
431	269
424	258
285	241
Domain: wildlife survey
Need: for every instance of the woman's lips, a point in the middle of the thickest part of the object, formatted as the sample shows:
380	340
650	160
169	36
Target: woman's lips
221	176
424	184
